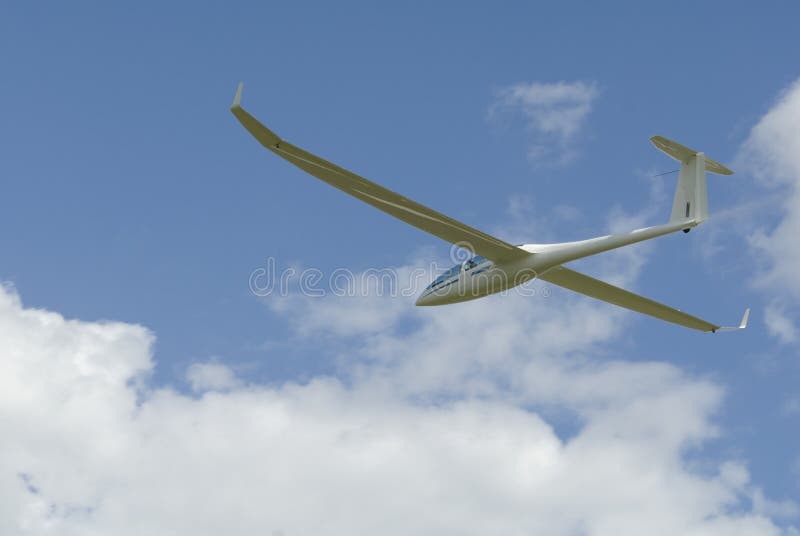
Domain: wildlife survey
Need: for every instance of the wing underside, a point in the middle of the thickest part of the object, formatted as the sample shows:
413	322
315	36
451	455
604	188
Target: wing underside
379	197
572	280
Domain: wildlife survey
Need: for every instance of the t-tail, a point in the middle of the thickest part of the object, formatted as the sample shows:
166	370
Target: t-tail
691	198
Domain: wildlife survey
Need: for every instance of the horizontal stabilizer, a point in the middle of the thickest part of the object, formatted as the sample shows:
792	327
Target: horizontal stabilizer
682	154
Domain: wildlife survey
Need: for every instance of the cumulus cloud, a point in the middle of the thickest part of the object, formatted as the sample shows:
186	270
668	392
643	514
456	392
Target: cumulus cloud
554	114
772	154
431	432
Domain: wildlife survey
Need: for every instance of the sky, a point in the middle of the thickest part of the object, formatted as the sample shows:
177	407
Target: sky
145	388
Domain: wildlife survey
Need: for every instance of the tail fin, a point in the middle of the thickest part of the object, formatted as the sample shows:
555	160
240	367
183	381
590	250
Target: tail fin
691	199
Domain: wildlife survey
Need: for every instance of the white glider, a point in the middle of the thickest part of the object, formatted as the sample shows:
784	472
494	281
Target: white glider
498	265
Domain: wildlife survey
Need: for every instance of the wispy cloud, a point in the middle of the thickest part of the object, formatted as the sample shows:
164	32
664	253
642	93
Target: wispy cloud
554	114
779	323
211	377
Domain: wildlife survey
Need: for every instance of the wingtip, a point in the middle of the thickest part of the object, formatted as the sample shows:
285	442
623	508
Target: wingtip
745	318
237	100
265	136
655	140
742	324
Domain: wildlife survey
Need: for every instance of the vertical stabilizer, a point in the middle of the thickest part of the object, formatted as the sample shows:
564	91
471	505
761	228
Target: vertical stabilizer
691	200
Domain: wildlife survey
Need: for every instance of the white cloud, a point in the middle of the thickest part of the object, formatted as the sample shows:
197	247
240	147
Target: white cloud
779	509
371	312
779	324
554	115
772	154
211	377
431	433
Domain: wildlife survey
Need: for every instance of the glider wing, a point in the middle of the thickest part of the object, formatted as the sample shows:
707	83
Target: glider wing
379	197
572	280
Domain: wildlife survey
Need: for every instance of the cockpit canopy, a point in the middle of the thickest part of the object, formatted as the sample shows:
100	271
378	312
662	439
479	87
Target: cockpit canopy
453	272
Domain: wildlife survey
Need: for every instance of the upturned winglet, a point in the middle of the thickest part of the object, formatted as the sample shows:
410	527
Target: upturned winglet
265	136
237	100
742	324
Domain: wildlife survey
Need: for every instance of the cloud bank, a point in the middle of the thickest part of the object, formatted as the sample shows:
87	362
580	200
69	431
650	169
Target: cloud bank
431	432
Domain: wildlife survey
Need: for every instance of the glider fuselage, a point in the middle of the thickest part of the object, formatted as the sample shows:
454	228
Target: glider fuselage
478	277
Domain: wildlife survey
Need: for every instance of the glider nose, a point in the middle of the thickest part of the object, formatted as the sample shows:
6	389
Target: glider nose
425	299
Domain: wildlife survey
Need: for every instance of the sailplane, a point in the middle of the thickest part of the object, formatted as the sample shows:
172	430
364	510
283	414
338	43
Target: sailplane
496	265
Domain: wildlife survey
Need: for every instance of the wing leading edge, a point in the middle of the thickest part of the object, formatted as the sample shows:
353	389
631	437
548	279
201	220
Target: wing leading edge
379	197
572	280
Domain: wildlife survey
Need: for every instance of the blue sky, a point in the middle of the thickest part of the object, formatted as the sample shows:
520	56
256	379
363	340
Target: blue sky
130	194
